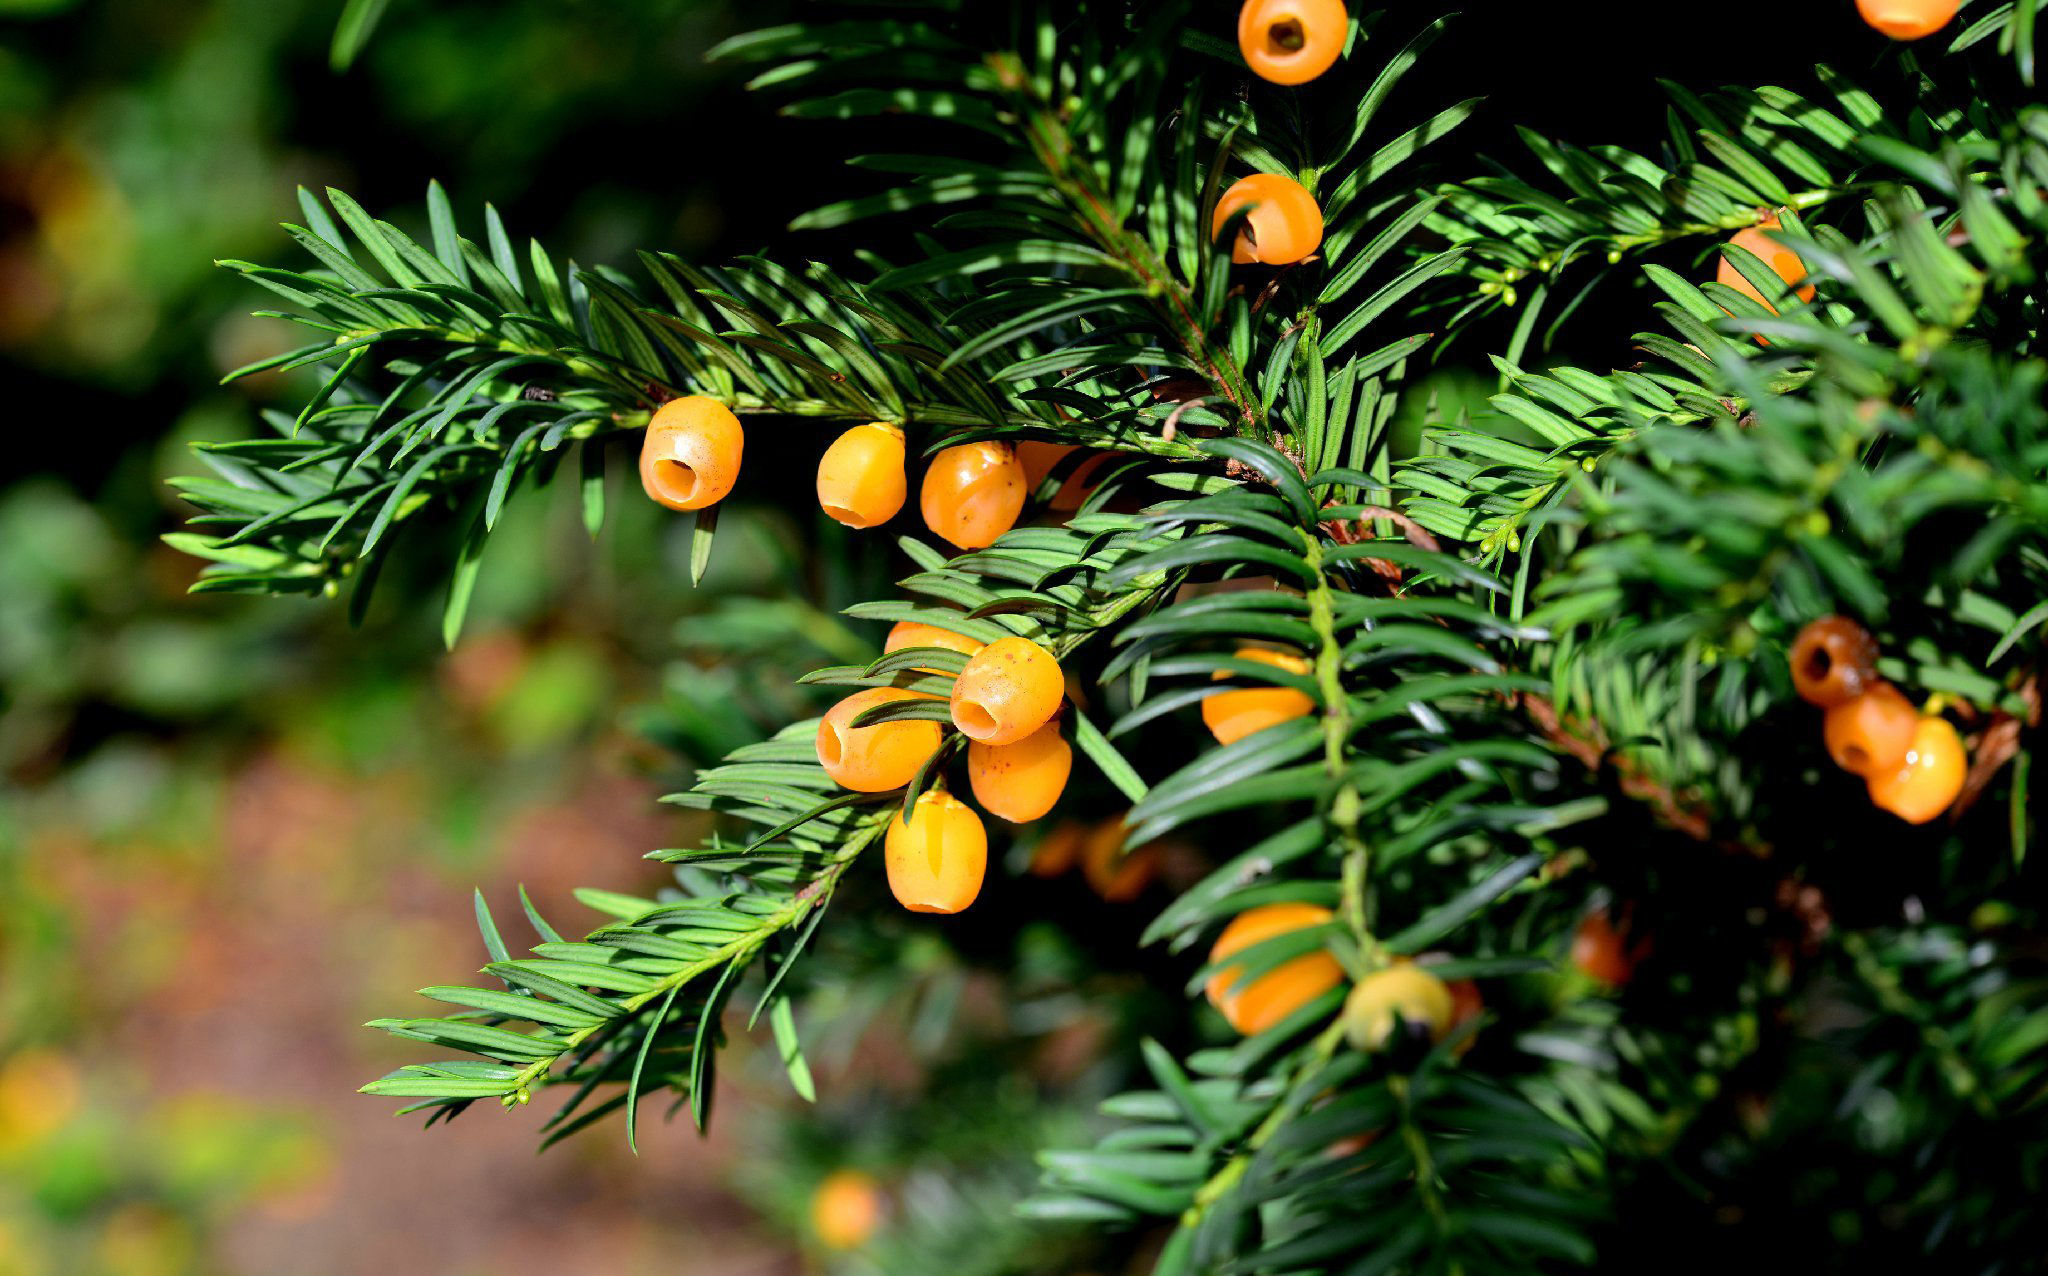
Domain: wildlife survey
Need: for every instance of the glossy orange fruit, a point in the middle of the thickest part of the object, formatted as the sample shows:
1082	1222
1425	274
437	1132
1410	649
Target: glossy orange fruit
846	1209
1833	661
1285	224
860	477
1908	19
1022	781
973	493
1291	41
937	860
1233	715
1871	734
1008	690
1777	256
1401	995
912	633
878	758
1253	1007
1927	782
690	456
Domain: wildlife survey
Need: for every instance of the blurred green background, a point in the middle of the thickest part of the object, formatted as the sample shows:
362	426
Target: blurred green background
231	830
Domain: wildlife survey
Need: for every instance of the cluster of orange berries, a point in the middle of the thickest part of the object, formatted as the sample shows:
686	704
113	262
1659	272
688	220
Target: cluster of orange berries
1005	701
972	493
1913	762
1400	997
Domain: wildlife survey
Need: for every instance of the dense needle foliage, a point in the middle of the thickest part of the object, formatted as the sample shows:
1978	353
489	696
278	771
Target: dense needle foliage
1546	640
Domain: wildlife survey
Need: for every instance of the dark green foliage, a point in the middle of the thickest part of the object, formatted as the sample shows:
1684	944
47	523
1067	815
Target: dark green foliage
1545	642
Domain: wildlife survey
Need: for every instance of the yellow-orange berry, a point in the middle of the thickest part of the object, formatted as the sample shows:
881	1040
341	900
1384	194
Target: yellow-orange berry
1774	254
1020	782
1008	690
1291	41
1040	459
1253	1007
878	758
1833	661
1403	994
1599	951
1117	875
937	860
1058	851
1871	734
846	1209
1285	224
973	493
690	457
911	633
1927	782
1908	19
1233	715
860	477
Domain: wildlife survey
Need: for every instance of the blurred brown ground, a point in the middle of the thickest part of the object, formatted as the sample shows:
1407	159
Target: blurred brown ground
232	978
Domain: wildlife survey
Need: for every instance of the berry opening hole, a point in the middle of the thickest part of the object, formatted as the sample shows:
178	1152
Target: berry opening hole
1855	758
1285	37
974	718
1819	664
677	481
843	514
831	744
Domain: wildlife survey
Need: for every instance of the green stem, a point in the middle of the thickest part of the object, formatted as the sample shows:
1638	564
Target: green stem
1337	727
1223	1181
1055	151
1418	1149
815	895
1665	234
